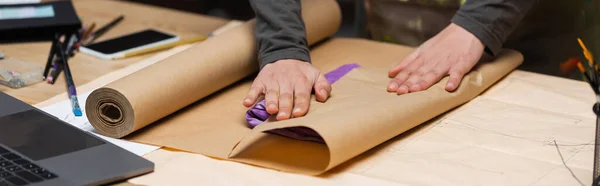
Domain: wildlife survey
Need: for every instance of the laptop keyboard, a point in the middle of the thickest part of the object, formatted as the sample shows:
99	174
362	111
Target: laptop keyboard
15	170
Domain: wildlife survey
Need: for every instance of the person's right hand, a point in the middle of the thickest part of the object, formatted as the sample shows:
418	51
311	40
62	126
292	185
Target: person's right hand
287	85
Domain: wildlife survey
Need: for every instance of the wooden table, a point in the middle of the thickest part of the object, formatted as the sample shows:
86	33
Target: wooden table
527	129
86	68
520	91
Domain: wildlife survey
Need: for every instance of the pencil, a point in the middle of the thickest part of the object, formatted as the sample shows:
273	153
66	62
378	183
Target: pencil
568	66
581	68
87	32
586	52
162	47
104	29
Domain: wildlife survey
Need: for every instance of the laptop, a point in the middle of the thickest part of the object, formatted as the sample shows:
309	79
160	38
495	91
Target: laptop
39	149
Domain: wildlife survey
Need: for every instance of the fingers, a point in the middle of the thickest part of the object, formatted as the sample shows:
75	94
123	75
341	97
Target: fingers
398	84
322	89
286	101
272	100
419	76
430	75
413	82
394	71
403	64
253	95
431	78
402	89
398	81
456	76
301	99
287	86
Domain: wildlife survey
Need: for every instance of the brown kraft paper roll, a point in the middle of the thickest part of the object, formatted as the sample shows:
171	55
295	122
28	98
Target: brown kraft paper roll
137	100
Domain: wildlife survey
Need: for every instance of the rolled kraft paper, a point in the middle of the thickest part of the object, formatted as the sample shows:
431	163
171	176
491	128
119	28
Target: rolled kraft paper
157	91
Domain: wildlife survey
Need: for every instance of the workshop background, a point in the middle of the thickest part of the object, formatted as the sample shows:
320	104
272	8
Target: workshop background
546	36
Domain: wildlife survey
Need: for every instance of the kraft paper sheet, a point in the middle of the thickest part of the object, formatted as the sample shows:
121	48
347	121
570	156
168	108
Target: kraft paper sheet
193	100
505	136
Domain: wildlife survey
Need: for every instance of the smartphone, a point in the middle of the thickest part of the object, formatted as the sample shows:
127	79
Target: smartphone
119	46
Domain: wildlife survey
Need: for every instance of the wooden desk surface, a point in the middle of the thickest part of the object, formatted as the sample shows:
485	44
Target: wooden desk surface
517	159
86	68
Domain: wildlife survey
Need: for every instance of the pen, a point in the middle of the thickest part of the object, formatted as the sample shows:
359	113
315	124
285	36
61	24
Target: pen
70	46
162	47
55	42
70	84
56	69
104	29
82	36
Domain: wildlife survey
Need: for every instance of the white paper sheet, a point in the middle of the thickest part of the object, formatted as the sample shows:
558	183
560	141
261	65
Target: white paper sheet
62	110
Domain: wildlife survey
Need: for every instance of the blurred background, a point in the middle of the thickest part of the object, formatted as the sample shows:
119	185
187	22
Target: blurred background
241	10
547	36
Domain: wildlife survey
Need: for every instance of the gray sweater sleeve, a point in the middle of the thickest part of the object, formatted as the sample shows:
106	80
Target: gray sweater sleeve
280	31
492	21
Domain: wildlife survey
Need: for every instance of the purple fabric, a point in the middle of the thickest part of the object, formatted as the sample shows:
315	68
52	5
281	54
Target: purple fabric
258	114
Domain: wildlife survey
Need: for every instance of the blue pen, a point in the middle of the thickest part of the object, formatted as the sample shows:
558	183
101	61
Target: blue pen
70	84
74	101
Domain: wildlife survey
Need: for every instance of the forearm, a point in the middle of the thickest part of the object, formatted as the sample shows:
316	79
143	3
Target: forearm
492	21
280	31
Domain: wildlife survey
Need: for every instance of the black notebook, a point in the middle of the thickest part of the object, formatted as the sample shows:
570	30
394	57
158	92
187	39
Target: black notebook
37	22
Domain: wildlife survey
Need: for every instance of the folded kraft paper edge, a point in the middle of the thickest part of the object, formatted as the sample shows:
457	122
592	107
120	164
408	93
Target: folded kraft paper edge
258	114
137	100
262	149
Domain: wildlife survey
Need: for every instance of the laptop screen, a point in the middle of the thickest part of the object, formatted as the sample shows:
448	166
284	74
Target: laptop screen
39	136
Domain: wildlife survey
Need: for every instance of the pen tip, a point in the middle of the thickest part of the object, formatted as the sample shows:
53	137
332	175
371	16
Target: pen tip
77	112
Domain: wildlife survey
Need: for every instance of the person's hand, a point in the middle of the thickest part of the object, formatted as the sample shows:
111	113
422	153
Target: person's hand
453	52
287	86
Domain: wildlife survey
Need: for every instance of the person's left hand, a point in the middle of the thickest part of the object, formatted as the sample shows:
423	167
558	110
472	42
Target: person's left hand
454	51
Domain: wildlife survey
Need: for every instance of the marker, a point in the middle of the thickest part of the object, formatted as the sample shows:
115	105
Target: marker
1	55
56	69
70	84
72	91
74	102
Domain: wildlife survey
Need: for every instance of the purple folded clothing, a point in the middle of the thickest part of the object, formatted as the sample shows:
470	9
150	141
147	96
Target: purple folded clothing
258	114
